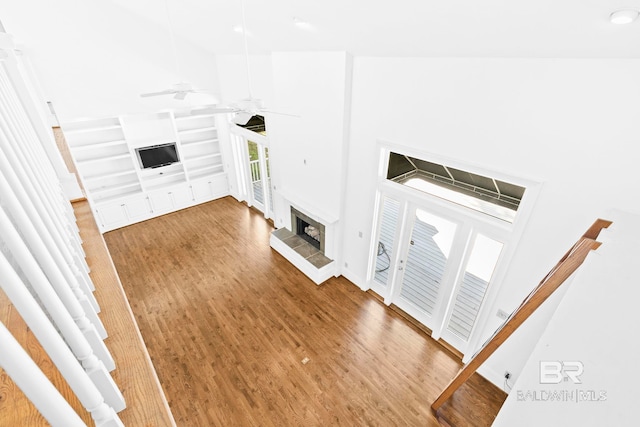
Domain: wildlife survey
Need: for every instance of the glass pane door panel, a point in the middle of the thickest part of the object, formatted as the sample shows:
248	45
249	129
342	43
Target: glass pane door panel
390	211
268	180
429	248
477	275
257	188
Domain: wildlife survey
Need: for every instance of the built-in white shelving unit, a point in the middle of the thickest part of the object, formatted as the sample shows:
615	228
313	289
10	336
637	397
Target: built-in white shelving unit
120	190
199	141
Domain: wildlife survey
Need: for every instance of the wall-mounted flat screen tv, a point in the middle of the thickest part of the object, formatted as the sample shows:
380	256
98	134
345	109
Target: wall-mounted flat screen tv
155	156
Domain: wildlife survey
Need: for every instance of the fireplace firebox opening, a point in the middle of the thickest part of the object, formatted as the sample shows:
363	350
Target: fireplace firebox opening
308	229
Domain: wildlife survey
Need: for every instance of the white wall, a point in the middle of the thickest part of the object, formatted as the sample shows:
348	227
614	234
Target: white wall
89	65
234	82
571	124
577	333
308	150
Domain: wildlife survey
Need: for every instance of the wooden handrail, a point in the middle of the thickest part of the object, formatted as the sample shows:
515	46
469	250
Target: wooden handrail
552	281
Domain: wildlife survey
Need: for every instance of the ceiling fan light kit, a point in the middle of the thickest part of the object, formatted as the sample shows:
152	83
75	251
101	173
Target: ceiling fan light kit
178	90
623	16
243	109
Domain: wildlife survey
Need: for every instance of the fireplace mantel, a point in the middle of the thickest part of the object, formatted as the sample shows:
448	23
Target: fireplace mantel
313	211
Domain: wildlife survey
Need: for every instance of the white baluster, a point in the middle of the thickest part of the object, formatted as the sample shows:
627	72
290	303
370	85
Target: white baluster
25	215
18	143
55	294
79	380
34	384
40	216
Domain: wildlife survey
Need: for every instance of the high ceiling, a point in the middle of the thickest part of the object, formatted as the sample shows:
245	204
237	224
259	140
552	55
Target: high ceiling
489	28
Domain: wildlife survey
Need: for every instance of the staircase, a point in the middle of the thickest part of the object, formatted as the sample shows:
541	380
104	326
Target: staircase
593	335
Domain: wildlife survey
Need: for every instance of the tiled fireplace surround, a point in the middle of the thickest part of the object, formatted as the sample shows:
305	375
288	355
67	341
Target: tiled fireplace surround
296	247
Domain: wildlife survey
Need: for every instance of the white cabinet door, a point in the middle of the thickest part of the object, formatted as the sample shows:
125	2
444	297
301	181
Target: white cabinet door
182	196
137	208
111	215
210	188
161	201
202	190
170	199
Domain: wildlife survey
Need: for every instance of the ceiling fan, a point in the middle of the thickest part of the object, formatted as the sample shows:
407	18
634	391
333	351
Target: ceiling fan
248	107
178	90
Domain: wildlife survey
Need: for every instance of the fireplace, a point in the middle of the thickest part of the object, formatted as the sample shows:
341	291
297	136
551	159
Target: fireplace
309	244
308	229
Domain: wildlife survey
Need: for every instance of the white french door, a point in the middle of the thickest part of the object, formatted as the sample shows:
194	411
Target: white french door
259	177
435	268
251	158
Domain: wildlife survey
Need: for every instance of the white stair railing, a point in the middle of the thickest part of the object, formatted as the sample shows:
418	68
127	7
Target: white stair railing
69	317
43	270
23	131
34	187
78	379
26	216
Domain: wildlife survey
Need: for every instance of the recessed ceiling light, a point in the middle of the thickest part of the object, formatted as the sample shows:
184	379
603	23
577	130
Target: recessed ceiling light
625	16
240	29
302	24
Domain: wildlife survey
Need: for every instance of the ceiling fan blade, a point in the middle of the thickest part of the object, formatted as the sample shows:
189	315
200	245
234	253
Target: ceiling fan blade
218	110
163	92
279	113
242	118
180	95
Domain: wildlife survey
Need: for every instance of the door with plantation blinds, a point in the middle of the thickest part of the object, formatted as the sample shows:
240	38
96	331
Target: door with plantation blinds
434	268
385	246
426	266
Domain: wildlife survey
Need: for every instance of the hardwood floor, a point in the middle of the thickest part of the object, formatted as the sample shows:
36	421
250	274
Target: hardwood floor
134	374
239	337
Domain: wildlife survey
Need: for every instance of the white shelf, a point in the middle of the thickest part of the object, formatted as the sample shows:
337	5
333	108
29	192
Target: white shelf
118	156
206	171
165	181
104	151
196	130
74	132
106	144
116	188
203	141
163	175
119	195
90	178
204	157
